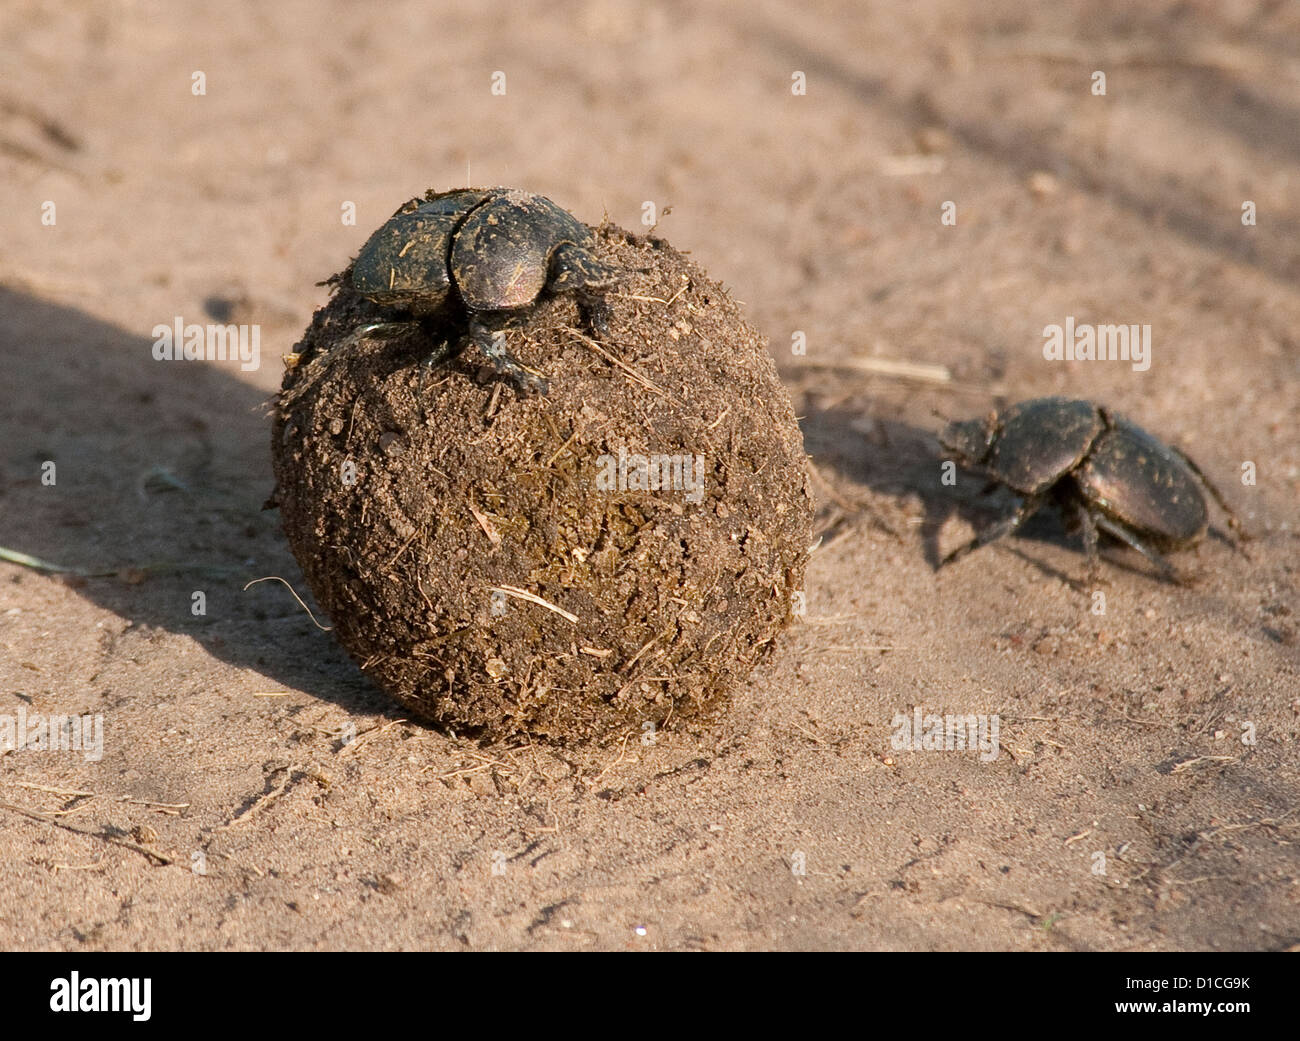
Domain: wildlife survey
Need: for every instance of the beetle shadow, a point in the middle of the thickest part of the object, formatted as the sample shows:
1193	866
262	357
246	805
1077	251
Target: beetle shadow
160	470
890	457
893	458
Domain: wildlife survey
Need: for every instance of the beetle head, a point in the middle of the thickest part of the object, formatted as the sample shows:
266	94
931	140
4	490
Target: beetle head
969	440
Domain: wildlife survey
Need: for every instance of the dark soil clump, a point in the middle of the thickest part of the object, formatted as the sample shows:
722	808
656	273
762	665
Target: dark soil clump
426	506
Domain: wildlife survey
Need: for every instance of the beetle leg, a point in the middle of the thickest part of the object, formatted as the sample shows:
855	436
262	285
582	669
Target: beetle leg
596	312
1127	537
377	331
492	342
575	267
1210	486
1088	526
999	529
442	353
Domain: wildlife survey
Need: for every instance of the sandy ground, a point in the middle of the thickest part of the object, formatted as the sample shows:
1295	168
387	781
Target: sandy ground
232	808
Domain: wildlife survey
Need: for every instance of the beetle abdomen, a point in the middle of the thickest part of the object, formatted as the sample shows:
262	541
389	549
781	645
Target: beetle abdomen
404	263
501	254
1140	483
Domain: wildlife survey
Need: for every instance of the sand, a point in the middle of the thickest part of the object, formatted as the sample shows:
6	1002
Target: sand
255	791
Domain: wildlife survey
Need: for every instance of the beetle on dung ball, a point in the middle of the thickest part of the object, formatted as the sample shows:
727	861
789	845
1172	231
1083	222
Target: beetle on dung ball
486	254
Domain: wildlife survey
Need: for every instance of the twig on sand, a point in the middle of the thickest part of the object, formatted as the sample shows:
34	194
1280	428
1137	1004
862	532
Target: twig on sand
161	859
132	573
277	578
72	792
35	563
1142	52
922	372
361	738
263	800
1187	764
937	376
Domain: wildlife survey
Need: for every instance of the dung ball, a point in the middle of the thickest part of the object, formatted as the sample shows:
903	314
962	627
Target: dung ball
615	553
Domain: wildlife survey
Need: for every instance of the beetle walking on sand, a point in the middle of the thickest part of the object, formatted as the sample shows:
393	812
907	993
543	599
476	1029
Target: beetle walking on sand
488	252
1106	474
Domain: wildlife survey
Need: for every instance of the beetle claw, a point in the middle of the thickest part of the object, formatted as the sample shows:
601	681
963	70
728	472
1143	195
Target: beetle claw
492	343
1167	571
596	311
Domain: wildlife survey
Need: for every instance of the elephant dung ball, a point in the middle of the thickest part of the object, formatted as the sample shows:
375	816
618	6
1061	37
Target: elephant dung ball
615	553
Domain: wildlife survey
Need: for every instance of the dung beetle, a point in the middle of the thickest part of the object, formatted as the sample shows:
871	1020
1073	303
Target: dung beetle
1105	474
486	254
